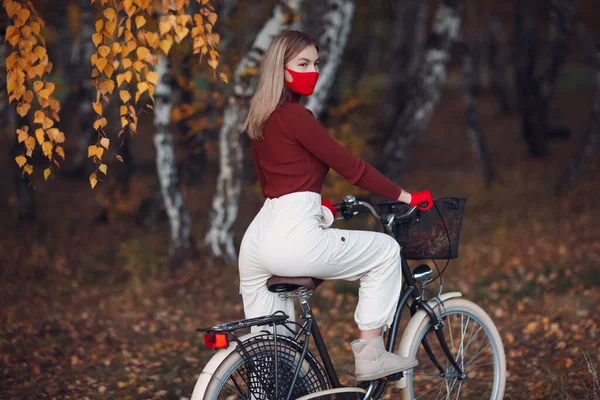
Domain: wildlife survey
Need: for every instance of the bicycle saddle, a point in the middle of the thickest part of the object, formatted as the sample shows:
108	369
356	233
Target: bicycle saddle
282	284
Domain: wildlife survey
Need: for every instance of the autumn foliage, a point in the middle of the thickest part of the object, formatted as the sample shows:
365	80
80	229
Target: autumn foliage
129	37
27	66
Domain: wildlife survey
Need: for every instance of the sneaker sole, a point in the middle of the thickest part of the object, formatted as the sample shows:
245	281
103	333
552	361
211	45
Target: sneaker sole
383	374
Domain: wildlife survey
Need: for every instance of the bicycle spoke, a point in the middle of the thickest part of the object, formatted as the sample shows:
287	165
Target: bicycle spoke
474	352
429	390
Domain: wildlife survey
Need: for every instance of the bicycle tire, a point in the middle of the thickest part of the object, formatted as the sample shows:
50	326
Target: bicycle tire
450	384
311	377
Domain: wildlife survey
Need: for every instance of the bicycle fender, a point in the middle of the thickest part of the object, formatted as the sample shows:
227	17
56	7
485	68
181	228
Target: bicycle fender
413	325
213	364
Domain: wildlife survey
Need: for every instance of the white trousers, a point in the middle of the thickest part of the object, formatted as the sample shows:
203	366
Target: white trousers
290	237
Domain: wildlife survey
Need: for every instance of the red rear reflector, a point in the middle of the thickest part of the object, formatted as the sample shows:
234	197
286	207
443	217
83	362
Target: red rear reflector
215	341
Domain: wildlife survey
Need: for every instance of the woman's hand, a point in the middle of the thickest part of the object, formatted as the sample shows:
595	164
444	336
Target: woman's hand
418	198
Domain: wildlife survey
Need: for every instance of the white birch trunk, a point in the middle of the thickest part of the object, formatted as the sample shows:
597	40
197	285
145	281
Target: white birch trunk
179	219
225	200
425	91
337	23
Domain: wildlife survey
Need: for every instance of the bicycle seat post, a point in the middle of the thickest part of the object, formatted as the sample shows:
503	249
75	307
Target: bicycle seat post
303	295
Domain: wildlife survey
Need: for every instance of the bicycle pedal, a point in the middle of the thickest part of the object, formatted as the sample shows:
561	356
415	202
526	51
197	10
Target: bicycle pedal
393	377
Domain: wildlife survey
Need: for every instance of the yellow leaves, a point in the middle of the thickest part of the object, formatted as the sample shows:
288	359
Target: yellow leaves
180	33
152	39
21	160
142	52
100	123
106	86
142	86
97	106
104	51
29	145
93	180
109	13
23	109
21	135
40	52
223	77
125	96
126	63
140	21
165	44
152	77
212	18
103	168
99	25
40	135
60	151
97	38
109	70
95	151
120	79
101	63
164	27
47	149
12	35
109	28
105	142
47	173
12	7
21	17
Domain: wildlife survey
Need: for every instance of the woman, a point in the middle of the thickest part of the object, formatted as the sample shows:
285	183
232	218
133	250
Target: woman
290	236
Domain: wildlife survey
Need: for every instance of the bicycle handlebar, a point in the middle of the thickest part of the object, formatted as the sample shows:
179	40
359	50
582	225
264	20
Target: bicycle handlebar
351	207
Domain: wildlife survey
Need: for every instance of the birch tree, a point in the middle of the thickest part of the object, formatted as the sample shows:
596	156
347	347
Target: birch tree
336	26
219	237
424	94
179	218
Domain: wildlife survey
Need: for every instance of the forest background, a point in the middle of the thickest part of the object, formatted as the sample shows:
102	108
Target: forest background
101	289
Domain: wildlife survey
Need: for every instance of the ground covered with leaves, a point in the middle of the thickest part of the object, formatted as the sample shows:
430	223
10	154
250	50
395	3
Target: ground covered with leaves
89	310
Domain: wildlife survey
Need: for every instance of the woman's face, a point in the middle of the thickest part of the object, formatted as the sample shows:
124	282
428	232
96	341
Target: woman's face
305	61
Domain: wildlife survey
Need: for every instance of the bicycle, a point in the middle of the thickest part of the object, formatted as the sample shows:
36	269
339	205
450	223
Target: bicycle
453	339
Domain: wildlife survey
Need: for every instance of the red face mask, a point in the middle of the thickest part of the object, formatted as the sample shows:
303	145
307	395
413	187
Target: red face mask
303	82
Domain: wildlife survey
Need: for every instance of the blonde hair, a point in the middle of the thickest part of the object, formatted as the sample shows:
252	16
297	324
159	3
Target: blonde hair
271	91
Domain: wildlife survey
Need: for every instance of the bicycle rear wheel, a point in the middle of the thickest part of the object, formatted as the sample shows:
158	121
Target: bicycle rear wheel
254	374
477	347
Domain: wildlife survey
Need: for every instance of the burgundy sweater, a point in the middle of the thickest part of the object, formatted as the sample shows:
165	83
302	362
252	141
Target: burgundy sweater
296	153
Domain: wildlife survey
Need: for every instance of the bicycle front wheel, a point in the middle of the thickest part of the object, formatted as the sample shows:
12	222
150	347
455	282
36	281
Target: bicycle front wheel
261	372
477	347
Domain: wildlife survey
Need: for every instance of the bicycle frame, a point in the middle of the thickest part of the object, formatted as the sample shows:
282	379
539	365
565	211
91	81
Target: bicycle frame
311	327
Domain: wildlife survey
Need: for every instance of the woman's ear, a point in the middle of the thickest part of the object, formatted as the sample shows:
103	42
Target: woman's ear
288	76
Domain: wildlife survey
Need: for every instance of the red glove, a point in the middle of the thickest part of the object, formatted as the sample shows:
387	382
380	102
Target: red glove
327	203
422	197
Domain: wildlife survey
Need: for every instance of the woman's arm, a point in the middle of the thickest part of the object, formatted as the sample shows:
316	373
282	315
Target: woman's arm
299	123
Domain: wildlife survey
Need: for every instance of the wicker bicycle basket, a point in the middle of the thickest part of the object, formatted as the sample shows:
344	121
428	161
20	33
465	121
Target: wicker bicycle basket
431	234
